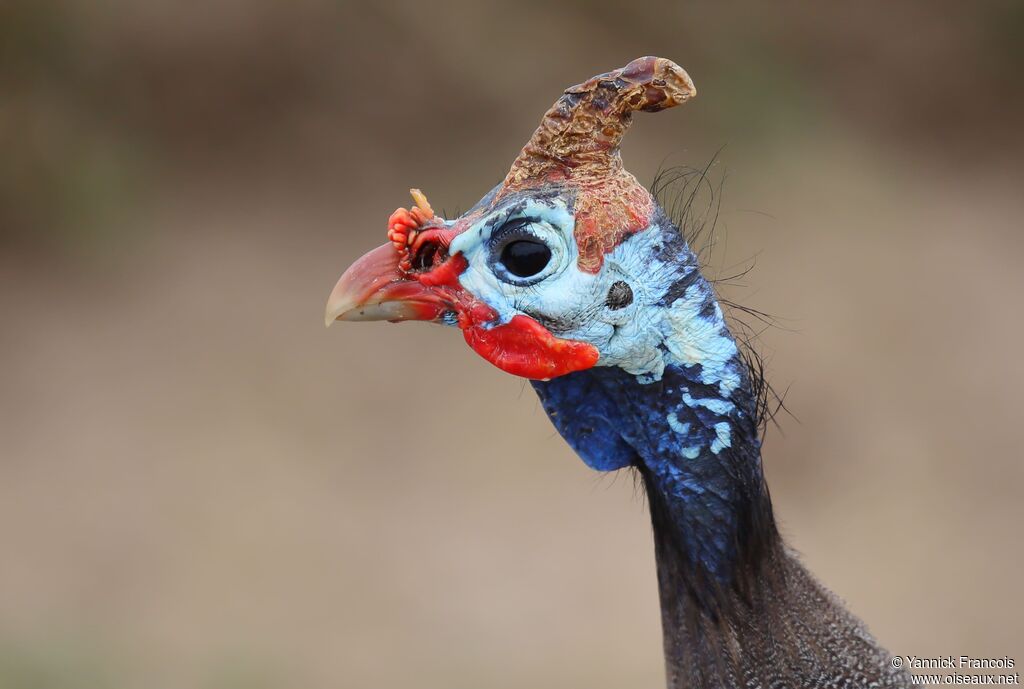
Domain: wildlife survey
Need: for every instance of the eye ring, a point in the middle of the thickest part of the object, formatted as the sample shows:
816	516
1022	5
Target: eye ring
518	255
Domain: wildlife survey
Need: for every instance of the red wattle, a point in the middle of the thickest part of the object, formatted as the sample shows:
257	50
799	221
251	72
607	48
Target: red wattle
524	347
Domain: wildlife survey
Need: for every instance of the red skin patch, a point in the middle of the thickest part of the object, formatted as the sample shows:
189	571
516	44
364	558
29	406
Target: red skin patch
607	213
524	347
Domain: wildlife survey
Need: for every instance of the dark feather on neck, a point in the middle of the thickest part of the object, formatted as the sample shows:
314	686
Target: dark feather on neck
690	198
738	609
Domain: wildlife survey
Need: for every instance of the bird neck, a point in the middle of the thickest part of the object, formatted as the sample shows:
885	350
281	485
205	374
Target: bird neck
697	451
698	454
738	609
681	408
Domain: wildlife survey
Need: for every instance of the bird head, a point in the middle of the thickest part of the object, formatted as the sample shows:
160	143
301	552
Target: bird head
565	265
569	273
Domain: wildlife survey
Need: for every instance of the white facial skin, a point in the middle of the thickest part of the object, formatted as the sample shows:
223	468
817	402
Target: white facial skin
571	303
642	337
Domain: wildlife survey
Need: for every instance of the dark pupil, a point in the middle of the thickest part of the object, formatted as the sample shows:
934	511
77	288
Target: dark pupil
525	257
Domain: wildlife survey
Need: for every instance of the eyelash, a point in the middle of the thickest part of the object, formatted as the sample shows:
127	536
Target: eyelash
514	226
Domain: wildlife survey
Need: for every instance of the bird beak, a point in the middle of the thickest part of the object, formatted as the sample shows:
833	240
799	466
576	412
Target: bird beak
374	288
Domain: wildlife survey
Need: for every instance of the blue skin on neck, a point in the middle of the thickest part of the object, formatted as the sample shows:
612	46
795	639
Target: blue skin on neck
690	427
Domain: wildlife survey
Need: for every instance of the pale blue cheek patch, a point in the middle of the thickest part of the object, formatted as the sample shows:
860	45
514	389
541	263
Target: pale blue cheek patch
561	284
684	323
682	429
723	439
718	406
693	438
678	426
700	425
696	335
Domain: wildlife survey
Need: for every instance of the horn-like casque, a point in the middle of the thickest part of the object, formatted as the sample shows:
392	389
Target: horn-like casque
577	144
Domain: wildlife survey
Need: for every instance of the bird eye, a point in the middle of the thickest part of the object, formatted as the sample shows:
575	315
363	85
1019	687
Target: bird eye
525	257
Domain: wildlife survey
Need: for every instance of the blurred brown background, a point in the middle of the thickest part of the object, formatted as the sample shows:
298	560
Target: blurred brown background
201	487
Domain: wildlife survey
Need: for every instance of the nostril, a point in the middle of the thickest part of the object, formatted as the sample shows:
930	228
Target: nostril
428	256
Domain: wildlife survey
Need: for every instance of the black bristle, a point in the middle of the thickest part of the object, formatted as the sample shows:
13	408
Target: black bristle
692	199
